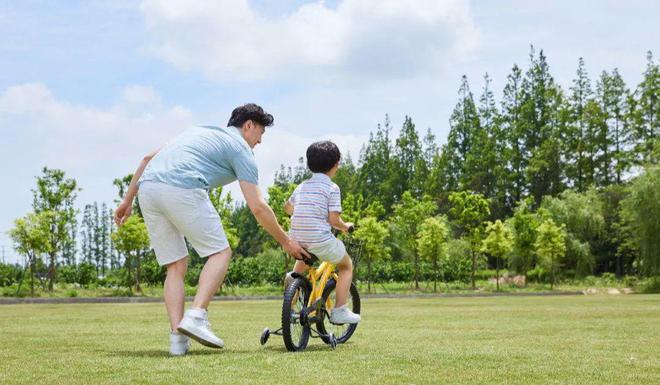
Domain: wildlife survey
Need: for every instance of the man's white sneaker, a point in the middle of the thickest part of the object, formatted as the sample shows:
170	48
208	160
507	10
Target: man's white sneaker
195	324
342	315
179	344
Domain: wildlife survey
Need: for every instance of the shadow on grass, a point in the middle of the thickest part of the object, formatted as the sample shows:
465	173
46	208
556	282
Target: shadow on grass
156	353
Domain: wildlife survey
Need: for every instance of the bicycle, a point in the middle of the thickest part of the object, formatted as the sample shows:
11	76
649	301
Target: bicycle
309	300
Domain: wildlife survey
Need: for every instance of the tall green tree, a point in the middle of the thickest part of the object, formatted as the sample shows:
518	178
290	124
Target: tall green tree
582	216
132	239
550	247
373	234
56	194
498	243
31	239
642	210
375	166
468	212
432	241
579	143
408	215
461	152
524	224
614	99
541	120
647	112
408	165
515	152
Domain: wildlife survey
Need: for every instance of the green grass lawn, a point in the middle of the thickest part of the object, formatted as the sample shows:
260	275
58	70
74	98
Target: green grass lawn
524	340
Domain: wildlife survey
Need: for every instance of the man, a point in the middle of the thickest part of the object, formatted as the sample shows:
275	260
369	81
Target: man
173	184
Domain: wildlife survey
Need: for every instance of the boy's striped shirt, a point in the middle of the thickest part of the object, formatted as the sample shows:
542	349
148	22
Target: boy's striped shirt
312	201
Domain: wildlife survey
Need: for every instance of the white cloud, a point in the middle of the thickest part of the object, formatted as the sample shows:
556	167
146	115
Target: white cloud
373	39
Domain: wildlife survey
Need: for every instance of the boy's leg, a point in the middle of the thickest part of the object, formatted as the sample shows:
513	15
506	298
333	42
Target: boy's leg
344	281
174	291
341	314
212	276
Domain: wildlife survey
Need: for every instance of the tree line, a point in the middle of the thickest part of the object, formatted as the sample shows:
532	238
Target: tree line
547	183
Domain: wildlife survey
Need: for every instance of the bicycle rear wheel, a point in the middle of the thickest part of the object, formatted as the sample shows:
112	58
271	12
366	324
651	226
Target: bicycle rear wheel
344	331
295	333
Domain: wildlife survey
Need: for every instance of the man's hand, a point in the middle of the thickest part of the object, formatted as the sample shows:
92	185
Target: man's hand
294	249
123	212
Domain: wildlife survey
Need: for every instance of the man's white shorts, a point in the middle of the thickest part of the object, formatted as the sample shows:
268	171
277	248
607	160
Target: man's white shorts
332	250
172	213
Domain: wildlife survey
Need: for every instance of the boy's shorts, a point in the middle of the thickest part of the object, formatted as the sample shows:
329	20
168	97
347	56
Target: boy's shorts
172	213
332	250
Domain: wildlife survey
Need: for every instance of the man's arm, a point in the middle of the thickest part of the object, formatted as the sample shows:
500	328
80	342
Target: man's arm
126	206
288	208
266	218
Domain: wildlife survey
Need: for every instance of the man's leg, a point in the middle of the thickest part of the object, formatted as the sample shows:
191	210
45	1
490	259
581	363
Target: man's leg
174	291
211	278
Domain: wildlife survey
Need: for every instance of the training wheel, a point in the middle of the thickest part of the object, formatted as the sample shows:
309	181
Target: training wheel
332	340
264	336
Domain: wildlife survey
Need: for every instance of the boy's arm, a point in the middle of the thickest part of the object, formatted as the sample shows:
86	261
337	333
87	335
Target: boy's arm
334	218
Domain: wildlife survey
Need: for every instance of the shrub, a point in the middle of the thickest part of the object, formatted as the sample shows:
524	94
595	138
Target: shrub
10	274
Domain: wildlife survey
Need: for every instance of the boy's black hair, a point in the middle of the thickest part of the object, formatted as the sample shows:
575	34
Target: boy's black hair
247	112
322	156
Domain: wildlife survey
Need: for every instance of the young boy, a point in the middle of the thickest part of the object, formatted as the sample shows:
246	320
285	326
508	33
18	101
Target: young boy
315	205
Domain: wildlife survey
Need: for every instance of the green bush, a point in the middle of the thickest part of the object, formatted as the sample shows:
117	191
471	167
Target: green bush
652	285
10	274
538	274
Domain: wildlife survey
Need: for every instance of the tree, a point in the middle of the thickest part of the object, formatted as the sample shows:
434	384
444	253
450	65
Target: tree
408	215
277	197
468	211
56	194
579	144
524	224
641	209
31	239
515	152
408	166
432	242
582	215
224	206
498	243
550	247
647	111
132	240
373	176
373	234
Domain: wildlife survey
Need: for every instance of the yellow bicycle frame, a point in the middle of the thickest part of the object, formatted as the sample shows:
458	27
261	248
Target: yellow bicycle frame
319	278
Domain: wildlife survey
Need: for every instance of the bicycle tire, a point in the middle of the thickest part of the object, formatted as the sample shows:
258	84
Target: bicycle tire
342	332
295	334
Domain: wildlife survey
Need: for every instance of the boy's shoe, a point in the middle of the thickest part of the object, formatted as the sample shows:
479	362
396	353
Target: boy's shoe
342	315
179	344
195	324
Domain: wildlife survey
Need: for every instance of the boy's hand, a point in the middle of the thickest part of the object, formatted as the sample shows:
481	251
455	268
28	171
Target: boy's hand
349	227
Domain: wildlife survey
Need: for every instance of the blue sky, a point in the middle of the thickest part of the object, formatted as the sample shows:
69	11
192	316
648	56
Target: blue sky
91	86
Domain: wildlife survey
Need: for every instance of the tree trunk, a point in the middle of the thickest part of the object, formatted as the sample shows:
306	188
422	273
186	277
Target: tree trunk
137	272
32	277
435	275
497	275
474	268
51	272
369	275
416	272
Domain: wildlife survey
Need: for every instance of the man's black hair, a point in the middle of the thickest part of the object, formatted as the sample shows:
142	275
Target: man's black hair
322	156
251	112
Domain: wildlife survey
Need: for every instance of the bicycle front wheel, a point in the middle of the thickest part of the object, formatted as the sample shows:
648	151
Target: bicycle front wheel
295	333
344	331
